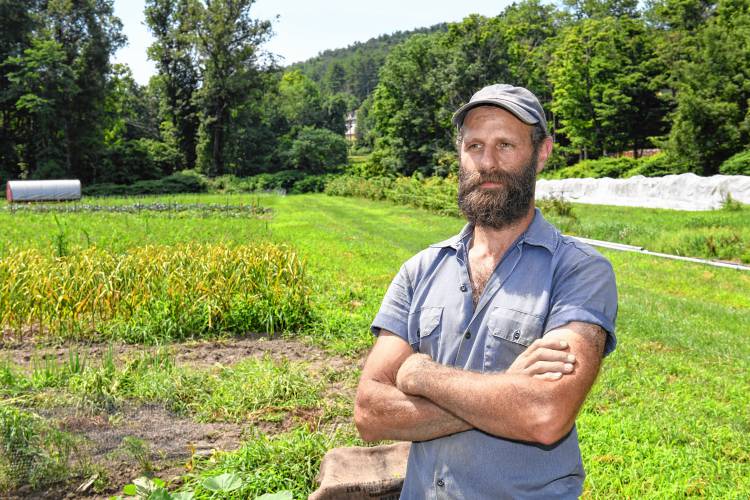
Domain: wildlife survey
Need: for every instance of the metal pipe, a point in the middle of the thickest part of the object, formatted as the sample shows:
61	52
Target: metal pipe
631	248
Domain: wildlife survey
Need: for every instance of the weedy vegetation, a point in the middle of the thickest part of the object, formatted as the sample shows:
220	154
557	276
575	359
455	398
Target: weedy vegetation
33	452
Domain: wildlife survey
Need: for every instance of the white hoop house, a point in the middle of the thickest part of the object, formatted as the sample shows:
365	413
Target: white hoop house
57	190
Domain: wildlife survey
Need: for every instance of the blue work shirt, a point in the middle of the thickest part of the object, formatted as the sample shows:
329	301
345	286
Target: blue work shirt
544	281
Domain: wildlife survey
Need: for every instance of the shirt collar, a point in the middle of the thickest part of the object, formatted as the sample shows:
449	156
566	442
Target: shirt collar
539	233
454	241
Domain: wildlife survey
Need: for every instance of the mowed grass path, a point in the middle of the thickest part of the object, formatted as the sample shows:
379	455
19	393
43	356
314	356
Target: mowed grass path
670	414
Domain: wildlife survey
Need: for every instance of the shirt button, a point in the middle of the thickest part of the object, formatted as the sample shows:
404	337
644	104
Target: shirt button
516	334
440	483
467	334
463	287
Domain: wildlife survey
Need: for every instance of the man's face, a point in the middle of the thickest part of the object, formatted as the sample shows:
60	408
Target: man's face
498	167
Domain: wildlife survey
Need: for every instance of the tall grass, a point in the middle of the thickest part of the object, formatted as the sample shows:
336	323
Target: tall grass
154	293
252	389
433	193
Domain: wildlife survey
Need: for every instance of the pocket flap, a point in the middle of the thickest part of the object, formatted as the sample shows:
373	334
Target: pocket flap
429	319
514	326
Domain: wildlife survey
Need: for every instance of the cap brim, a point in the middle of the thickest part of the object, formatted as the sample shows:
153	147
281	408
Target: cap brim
520	113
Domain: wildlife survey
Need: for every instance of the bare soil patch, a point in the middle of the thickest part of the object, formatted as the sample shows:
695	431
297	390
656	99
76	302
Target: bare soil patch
196	353
170	440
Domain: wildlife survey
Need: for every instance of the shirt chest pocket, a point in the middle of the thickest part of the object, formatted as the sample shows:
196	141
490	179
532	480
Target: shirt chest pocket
510	333
426	327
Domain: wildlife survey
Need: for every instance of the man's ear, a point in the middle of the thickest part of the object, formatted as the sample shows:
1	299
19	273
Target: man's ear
545	149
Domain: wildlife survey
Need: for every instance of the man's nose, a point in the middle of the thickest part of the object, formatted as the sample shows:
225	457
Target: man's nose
489	160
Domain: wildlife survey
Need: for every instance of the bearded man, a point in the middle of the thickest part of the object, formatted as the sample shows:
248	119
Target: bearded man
488	342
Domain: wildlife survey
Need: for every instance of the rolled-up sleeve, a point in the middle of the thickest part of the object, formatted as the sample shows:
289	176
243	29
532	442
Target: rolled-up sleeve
586	292
394	310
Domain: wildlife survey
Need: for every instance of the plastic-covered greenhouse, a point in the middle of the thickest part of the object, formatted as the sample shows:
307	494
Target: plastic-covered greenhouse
56	190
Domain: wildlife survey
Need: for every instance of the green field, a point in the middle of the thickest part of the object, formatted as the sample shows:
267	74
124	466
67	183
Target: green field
717	234
667	418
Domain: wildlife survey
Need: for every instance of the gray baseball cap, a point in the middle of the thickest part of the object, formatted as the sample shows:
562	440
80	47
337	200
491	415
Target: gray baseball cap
518	100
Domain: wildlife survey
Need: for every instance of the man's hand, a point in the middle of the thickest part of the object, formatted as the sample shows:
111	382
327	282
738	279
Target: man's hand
546	359
382	411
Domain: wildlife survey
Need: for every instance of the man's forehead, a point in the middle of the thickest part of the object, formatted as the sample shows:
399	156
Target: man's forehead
488	112
476	117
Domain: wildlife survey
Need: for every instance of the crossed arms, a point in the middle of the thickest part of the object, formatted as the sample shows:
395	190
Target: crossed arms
406	396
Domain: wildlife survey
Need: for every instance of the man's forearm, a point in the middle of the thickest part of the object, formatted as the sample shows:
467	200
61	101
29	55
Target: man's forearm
384	412
500	404
513	404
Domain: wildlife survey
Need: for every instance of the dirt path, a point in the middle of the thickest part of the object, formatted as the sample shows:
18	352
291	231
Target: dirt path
198	353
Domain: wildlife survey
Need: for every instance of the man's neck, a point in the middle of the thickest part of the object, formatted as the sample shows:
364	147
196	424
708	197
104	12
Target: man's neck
489	242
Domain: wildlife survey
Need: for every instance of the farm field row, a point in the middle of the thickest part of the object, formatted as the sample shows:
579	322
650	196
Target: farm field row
667	417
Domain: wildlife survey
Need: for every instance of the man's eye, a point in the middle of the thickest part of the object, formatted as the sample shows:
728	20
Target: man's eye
506	145
474	146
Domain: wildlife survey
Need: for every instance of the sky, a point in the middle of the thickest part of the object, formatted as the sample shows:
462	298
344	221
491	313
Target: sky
306	28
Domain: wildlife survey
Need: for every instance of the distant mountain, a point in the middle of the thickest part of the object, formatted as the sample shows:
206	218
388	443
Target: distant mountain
354	69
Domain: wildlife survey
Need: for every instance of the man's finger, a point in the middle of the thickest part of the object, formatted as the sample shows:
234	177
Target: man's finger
549	367
545	354
548	343
549	376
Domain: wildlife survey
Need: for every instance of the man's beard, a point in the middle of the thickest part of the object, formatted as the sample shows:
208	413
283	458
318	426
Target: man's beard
498	207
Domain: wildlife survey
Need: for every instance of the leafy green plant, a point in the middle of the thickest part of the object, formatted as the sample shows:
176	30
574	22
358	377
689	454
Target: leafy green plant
60	240
287	462
98	387
556	205
49	372
223	483
739	164
145	488
317	150
281	495
657	165
436	194
178	182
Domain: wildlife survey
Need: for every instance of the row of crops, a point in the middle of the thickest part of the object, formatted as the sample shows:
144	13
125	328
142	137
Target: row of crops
153	293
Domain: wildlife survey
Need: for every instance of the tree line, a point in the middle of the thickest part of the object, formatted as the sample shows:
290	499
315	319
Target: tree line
613	77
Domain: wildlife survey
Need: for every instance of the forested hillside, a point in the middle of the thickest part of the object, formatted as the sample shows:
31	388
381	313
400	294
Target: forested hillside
614	76
354	69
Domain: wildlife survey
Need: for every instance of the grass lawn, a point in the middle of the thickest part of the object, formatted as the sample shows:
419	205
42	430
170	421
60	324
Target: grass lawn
669	416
